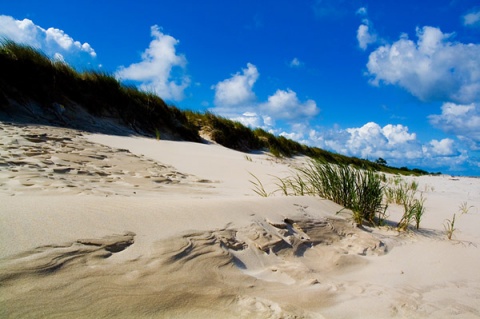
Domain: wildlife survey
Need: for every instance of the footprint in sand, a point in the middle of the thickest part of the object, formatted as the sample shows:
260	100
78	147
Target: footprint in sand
68	161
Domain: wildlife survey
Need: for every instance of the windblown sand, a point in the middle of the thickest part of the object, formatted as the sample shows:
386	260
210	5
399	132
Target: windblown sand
98	226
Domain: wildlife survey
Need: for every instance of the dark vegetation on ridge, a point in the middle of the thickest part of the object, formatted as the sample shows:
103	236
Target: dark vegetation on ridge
28	77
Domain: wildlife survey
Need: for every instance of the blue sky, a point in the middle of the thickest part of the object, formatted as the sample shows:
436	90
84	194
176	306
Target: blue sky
393	79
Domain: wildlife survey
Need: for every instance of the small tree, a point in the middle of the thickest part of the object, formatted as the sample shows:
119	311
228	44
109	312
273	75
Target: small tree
381	161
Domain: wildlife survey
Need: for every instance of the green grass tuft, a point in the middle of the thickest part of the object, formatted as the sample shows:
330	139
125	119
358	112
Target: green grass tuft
258	187
449	224
358	190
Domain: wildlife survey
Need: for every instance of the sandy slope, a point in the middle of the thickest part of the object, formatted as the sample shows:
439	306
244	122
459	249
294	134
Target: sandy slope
128	227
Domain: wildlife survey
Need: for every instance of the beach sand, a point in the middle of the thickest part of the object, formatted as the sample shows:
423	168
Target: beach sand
104	226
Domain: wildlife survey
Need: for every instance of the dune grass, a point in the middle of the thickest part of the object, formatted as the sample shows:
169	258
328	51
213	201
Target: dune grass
413	211
231	134
258	187
29	76
399	192
361	191
365	192
449	224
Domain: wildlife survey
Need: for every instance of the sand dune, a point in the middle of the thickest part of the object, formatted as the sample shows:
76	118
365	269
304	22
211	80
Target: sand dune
98	226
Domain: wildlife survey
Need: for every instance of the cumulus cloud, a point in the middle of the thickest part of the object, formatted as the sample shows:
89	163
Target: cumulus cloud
371	140
444	147
397	134
393	142
297	133
22	31
253	119
286	105
236	99
55	43
296	136
238	89
236	95
60	38
472	19
154	71
460	120
432	69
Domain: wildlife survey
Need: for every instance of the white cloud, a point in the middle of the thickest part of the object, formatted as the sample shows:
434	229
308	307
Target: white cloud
155	70
472	19
251	119
66	42
21	31
444	147
433	68
460	120
365	36
58	57
296	136
269	121
371	140
392	142
53	42
286	105
298	132
397	134
295	63
236	100
237	90
235	95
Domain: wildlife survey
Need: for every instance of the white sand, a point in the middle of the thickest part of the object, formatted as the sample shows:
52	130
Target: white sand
127	227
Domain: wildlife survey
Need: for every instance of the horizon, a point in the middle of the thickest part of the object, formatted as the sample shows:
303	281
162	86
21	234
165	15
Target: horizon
398	81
